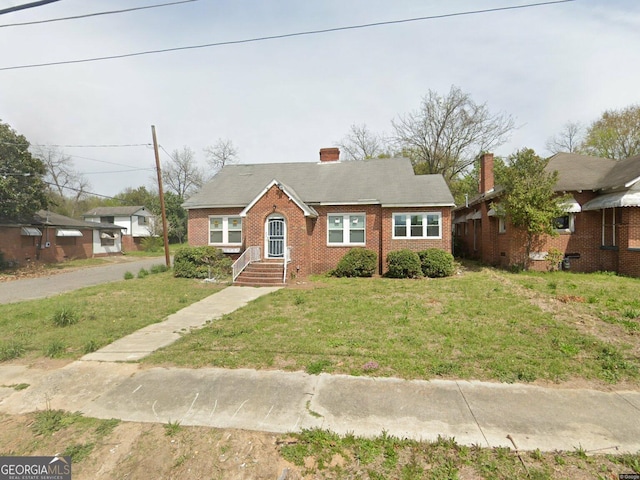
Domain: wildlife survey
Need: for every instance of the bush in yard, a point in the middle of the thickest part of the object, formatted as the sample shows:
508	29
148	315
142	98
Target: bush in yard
357	262
403	264
436	263
198	262
152	244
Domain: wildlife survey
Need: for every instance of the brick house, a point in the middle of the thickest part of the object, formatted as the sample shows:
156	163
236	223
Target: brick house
600	231
50	238
136	222
306	216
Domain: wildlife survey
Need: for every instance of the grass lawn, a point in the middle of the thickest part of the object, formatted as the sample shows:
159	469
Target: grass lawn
93	317
483	324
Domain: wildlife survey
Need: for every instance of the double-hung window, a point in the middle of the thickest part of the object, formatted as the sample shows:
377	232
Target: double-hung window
417	225
346	229
225	230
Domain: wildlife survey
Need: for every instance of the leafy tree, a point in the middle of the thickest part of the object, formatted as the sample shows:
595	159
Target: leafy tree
361	144
222	153
568	140
446	133
176	217
615	135
529	200
22	191
136	196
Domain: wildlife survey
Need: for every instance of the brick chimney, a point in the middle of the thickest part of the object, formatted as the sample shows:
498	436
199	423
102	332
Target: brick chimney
330	154
486	173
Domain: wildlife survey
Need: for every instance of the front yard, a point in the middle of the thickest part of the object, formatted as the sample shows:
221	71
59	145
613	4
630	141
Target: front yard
483	324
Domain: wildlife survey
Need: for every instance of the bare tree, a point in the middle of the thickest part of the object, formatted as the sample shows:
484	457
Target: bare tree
67	187
569	140
182	175
446	134
360	144
222	153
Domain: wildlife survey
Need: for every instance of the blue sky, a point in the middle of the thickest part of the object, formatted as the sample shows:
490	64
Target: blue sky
282	100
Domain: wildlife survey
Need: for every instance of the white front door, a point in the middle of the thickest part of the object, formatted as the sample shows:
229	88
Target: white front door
275	237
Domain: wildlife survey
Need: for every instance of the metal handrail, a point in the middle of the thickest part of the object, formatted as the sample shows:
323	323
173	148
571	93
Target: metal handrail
251	254
285	260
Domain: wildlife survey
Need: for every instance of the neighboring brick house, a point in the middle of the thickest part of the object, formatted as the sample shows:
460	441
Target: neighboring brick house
136	221
311	214
49	237
600	231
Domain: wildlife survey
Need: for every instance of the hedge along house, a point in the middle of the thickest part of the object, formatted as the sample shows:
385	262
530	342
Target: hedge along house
305	216
599	232
50	237
136	222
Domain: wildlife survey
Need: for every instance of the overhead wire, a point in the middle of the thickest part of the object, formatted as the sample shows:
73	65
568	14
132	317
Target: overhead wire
95	14
24	6
285	35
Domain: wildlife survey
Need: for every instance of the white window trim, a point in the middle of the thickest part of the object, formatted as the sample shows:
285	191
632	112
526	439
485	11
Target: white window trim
346	229
572	224
225	230
502	224
408	224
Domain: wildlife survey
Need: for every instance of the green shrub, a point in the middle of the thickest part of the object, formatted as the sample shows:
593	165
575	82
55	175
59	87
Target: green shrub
436	263
152	244
201	262
11	349
128	275
403	264
357	262
64	317
159	268
143	272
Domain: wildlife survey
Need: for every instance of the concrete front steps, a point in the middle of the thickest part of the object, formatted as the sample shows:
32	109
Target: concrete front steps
262	274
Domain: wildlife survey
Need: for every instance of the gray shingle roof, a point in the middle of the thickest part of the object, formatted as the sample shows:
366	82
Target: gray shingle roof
579	172
378	181
113	211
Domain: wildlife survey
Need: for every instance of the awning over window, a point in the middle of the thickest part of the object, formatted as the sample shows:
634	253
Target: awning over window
30	232
570	206
613	200
68	232
475	216
460	219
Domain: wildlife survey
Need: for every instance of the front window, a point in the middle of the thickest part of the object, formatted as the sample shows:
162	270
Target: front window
565	223
225	230
142	220
346	229
417	225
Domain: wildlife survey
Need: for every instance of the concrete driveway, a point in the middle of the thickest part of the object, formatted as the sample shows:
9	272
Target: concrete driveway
56	283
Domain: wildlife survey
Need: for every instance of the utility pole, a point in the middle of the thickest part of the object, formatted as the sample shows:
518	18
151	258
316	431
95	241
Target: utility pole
165	233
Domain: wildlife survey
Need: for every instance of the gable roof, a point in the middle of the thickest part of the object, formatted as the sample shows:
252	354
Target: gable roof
388	182
116	211
289	192
579	172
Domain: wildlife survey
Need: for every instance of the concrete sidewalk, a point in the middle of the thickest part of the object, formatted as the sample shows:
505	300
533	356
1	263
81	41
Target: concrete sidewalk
274	401
152	337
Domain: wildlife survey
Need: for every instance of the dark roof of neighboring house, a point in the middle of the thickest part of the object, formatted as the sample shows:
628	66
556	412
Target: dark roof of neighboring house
388	181
579	172
623	174
45	217
114	211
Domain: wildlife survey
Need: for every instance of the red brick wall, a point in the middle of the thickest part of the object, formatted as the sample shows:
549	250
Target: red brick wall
505	249
307	237
22	249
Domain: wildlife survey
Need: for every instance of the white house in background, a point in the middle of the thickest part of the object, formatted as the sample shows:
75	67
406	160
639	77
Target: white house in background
136	222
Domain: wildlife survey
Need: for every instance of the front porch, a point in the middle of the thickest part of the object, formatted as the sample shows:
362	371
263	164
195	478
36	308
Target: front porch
252	270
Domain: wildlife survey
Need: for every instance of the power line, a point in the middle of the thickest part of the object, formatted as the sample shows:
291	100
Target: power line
285	35
26	5
111	12
109	145
81	191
